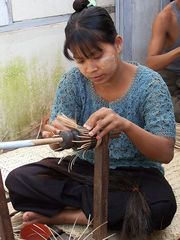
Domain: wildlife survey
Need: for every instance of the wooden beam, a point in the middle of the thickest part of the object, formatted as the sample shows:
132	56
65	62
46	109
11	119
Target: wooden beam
101	179
6	231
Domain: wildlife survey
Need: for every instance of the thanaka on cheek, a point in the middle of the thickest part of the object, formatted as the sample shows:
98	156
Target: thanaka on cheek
107	60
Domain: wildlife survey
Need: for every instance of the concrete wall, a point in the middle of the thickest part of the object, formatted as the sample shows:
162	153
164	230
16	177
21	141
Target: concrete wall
31	62
136	17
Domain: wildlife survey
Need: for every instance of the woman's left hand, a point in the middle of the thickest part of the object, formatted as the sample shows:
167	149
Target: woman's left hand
105	121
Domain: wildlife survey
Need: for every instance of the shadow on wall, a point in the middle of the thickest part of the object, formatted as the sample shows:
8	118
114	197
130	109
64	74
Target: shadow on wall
26	94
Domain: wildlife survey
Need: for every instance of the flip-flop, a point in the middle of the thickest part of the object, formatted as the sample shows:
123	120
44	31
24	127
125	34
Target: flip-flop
35	231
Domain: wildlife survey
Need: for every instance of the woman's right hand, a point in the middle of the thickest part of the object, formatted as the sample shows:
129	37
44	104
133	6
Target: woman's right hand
53	130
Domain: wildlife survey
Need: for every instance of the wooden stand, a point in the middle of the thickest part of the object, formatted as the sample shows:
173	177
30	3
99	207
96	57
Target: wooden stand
6	231
101	179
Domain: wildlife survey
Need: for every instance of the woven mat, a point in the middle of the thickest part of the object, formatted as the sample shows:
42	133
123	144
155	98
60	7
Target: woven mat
177	135
22	156
13	159
172	173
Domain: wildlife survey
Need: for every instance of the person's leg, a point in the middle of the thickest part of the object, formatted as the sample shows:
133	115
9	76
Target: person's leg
173	83
160	198
45	189
32	188
153	188
170	80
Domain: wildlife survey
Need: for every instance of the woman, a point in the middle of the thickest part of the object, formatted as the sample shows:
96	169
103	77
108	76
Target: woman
106	95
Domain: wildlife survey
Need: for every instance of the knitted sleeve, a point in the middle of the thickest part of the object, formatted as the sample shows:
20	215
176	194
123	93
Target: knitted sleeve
158	109
67	100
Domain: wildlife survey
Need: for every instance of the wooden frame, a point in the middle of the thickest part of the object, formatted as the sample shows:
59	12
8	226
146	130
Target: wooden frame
101	180
6	231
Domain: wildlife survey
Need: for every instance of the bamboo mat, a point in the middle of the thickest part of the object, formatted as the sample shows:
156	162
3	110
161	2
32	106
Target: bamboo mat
16	158
10	160
177	135
172	173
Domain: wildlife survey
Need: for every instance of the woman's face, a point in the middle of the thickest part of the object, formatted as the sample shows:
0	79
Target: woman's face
102	65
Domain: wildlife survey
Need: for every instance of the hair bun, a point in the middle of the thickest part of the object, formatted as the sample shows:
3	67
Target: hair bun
79	5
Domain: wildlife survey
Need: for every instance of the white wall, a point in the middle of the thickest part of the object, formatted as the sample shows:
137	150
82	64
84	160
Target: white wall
144	14
135	23
105	2
30	9
31	63
39	8
3	13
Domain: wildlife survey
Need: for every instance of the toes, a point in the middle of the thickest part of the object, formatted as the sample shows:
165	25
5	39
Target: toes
29	217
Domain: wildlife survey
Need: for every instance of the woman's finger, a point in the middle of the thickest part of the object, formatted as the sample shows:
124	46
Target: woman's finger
46	134
58	125
95	117
51	129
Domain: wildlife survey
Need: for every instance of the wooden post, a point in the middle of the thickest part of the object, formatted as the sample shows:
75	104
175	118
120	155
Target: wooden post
6	231
101	179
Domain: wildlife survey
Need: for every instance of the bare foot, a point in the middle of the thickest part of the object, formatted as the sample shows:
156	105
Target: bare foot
67	216
32	217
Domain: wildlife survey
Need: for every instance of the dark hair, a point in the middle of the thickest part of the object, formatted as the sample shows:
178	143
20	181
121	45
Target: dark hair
79	5
87	28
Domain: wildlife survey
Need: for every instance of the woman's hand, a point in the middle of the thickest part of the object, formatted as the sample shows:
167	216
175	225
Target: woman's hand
154	147
53	130
105	121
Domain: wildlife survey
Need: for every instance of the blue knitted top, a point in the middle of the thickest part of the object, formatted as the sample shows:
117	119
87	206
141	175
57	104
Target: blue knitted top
147	104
